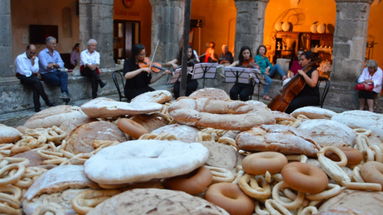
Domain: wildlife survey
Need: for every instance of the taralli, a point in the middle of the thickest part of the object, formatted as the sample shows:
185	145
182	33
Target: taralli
354	156
363	186
332	169
292	205
304	177
333	191
362	131
89	199
220	174
229	197
338	152
300	158
259	163
7	178
6	209
49	208
372	171
260	211
275	208
255	187
310	210
356	175
193	183
378	153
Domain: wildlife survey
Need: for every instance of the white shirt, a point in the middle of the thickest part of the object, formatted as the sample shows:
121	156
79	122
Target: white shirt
89	58
24	65
376	78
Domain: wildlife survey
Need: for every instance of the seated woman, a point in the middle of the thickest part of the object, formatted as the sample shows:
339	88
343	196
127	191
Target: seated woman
267	69
372	74
244	91
191	84
138	79
309	96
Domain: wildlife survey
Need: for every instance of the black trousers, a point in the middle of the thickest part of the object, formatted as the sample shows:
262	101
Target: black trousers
94	78
244	91
302	101
191	86
37	88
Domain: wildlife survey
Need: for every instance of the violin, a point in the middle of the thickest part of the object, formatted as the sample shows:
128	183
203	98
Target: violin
154	67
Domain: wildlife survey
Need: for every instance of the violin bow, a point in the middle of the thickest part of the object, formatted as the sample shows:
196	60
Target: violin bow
154	54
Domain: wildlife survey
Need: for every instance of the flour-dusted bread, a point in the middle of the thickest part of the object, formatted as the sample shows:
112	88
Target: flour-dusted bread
58	179
210	93
62	199
312	112
144	160
102	107
9	134
362	119
279	138
184	133
158	96
360	202
281	117
221	155
156	202
328	132
64	116
82	139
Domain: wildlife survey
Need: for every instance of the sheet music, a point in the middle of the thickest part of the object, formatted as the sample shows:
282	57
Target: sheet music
209	69
244	75
176	76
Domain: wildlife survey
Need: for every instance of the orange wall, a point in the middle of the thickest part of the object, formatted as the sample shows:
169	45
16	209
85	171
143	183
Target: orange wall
375	31
141	10
218	17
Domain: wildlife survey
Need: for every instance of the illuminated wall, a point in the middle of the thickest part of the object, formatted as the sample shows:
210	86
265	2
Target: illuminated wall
140	10
375	32
218	17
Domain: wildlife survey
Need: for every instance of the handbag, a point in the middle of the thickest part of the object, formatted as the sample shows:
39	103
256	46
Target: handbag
361	86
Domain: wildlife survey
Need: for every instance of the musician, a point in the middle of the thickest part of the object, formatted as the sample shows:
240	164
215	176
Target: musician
138	78
244	91
90	63
372	74
226	56
51	66
309	96
267	69
27	68
210	53
191	84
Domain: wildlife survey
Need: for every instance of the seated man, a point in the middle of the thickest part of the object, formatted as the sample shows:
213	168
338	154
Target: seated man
27	68
50	66
90	62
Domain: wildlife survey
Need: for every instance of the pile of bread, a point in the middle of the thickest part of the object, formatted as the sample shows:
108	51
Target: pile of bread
202	154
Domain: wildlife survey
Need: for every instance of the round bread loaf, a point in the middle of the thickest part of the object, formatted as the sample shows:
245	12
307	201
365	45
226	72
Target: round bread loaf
82	139
150	121
211	93
314	112
156	202
359	202
328	132
158	96
181	132
9	134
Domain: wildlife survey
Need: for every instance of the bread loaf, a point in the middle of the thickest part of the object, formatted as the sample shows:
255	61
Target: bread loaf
9	134
158	96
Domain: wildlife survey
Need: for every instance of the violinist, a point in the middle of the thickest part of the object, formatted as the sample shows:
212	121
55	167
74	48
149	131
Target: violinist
309	96
137	73
191	84
244	91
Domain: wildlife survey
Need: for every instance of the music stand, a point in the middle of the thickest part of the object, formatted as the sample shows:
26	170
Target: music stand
177	74
242	75
205	71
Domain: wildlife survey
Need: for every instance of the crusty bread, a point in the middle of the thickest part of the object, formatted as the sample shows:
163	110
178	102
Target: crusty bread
64	116
150	121
221	155
158	96
144	160
281	116
360	202
181	132
58	179
279	138
362	119
328	132
102	107
211	93
81	139
312	112
156	202
9	134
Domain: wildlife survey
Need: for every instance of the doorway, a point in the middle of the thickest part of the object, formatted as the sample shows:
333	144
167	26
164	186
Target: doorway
126	34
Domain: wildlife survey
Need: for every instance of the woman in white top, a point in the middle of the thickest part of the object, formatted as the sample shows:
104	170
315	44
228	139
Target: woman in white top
372	74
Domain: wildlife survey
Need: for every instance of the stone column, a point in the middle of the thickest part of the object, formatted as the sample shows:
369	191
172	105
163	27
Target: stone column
96	22
250	23
350	38
6	60
167	28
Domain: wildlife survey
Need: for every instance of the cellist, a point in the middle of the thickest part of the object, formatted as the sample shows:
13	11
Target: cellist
309	96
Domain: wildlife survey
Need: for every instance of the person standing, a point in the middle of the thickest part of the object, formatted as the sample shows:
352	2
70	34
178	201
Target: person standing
27	68
90	63
51	65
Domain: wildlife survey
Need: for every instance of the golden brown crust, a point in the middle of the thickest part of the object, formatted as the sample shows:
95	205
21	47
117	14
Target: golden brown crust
150	122
211	93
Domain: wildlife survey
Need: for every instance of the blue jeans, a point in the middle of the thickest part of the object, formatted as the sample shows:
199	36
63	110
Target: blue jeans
276	68
56	78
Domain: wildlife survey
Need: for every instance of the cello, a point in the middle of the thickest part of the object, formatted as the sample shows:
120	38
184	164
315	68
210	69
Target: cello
282	101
